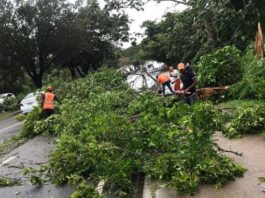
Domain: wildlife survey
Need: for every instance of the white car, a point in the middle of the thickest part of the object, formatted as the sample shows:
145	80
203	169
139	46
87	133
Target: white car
28	103
6	96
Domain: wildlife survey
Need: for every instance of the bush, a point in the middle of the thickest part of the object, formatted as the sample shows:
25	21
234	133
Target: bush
253	82
247	121
222	67
9	104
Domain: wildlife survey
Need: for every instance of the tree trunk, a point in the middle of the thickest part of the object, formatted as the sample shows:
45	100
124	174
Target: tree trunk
37	79
72	71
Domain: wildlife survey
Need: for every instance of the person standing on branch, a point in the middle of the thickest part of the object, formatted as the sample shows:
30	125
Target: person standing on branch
189	81
48	102
175	79
163	81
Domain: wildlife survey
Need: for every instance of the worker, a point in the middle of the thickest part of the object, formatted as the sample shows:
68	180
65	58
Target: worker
189	81
48	102
189	68
164	81
175	79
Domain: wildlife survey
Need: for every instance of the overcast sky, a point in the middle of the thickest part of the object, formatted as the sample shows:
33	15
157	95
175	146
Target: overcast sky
152	11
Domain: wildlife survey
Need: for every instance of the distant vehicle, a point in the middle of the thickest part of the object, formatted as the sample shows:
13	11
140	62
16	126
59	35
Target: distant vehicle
153	66
28	103
6	96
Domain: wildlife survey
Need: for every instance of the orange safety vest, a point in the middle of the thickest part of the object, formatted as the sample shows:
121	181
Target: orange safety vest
162	78
48	101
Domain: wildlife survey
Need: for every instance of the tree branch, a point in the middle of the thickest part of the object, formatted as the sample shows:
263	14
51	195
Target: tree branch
228	151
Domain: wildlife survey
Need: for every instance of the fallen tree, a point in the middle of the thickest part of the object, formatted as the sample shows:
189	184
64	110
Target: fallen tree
106	132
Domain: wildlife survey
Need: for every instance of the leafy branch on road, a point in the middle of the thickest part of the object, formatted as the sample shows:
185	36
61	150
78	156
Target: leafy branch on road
96	139
5	181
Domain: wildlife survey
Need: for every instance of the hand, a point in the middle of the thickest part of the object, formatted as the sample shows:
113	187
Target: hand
179	92
186	90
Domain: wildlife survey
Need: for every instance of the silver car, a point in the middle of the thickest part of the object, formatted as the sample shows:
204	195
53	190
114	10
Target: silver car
28	103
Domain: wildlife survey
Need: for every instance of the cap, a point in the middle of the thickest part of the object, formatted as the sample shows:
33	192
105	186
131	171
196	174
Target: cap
49	88
181	66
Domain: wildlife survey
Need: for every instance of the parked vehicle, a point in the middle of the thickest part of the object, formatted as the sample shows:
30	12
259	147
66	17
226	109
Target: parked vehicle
28	103
6	96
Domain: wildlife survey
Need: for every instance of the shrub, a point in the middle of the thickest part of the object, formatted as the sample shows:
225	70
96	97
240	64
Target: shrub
222	67
247	121
253	82
9	104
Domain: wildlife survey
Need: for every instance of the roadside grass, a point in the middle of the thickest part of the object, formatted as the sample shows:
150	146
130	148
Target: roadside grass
11	143
5	115
233	105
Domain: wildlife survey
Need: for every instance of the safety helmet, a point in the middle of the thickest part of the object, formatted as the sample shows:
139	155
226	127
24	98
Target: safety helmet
181	66
49	88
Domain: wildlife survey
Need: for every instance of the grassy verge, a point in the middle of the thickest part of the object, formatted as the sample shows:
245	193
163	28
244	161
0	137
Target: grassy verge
11	144
5	115
235	104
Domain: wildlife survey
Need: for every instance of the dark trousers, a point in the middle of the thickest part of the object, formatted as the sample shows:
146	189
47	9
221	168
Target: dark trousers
47	113
168	84
190	99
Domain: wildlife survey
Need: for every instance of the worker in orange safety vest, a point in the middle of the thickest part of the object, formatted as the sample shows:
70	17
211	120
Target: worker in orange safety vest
48	102
163	80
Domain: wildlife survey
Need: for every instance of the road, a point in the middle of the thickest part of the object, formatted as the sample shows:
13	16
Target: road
33	153
8	128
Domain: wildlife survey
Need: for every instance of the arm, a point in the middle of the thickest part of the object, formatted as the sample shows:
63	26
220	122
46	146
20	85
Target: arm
42	99
57	99
194	84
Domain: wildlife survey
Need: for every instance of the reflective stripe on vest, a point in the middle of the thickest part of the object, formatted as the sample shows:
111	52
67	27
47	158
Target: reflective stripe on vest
162	78
48	101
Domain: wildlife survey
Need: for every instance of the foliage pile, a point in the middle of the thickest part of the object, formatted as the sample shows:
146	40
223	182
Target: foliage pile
5	181
222	67
108	132
247	121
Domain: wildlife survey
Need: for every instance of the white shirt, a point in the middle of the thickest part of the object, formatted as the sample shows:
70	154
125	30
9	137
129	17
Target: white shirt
174	75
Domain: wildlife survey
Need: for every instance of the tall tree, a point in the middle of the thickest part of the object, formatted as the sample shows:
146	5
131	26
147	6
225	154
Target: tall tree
201	28
39	34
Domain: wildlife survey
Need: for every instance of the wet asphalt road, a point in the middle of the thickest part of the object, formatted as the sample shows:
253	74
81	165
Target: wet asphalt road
8	128
32	153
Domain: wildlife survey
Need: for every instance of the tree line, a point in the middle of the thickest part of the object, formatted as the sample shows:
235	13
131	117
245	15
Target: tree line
206	25
37	36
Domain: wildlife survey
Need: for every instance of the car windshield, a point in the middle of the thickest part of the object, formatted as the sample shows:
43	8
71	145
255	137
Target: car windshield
31	95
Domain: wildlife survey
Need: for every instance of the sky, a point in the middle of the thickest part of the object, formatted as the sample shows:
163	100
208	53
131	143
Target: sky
152	11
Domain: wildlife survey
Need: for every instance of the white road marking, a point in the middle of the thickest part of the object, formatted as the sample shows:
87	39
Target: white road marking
9	127
100	186
8	160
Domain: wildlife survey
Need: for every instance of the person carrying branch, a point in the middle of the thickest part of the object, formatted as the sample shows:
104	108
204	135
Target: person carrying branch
163	81
189	81
48	102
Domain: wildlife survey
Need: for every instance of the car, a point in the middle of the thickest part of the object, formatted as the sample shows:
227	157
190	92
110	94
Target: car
6	96
28	103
